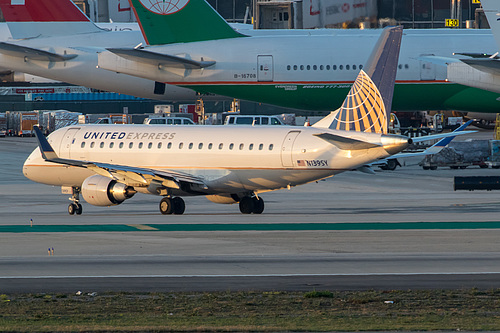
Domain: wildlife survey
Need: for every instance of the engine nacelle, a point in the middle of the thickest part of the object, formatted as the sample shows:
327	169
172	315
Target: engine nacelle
103	191
223	199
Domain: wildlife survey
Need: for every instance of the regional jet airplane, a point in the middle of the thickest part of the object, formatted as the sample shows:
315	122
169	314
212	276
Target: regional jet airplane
108	164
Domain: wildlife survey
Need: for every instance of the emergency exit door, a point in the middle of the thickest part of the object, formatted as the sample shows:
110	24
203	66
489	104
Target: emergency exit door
265	71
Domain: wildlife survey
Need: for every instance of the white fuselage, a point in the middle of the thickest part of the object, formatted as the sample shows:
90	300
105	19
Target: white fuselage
343	51
229	159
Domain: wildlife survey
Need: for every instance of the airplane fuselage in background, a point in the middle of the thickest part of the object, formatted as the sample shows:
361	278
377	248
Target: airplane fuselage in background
314	70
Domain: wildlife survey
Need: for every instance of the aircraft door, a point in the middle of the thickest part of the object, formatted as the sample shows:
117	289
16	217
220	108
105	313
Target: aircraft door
67	143
287	148
265	71
427	71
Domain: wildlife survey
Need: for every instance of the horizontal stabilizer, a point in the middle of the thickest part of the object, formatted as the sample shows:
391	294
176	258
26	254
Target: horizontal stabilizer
346	143
154	58
33	54
491	66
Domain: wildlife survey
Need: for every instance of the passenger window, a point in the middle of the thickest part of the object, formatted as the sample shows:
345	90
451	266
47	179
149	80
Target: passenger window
210	146
256	121
301	67
334	67
250	147
308	67
83	144
200	146
347	67
275	122
354	67
131	145
261	146
231	146
288	67
140	145
271	146
315	67
294	67
265	120
150	145
407	66
231	120
169	122
181	145
221	145
360	66
327	67
341	67
321	67
120	145
400	66
101	145
190	145
241	146
92	144
111	144
177	121
169	145
159	145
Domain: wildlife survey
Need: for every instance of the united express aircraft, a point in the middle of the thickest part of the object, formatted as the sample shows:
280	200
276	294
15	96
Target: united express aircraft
108	164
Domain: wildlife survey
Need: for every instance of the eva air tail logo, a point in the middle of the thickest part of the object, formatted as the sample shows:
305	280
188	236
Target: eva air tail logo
164	7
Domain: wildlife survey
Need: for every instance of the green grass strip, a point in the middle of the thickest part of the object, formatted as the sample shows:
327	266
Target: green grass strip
251	227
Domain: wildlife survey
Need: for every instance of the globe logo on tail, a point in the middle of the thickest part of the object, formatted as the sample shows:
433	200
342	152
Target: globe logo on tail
164	7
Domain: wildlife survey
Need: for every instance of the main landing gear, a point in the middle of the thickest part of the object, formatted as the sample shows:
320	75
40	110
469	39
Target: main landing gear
75	207
172	206
249	205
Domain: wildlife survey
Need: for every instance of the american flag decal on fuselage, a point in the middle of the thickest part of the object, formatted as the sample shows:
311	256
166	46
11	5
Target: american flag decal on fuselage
363	110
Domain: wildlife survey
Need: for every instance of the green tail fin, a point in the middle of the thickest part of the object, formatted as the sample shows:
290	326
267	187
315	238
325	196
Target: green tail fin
180	21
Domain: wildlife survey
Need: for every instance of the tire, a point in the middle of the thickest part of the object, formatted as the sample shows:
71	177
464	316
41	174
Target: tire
463	167
72	209
258	204
391	164
454	167
425	167
166	206
178	206
433	167
247	205
79	209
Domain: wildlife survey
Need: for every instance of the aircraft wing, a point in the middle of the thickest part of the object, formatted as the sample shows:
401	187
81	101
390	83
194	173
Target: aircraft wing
124	173
32	53
154	58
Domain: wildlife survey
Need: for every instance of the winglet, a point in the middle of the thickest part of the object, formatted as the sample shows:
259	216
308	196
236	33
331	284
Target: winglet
46	149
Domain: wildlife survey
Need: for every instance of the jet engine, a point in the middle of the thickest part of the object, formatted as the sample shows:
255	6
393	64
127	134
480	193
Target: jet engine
103	191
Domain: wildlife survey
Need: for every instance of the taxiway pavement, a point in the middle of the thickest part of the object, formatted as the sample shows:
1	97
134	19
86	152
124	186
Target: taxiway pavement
299	258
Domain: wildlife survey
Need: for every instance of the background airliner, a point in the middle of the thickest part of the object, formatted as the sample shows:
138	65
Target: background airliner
108	164
301	69
330	59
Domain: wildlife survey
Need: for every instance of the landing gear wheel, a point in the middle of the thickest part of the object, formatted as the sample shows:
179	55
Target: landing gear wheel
178	206
72	209
166	206
79	209
258	205
247	205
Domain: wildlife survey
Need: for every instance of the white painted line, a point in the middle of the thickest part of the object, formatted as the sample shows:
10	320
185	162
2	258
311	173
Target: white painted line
237	275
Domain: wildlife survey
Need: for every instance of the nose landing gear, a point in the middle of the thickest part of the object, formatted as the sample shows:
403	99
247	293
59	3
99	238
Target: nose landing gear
75	207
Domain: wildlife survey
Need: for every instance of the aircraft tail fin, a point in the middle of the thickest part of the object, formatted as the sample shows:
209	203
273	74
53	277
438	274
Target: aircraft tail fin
34	18
180	21
368	105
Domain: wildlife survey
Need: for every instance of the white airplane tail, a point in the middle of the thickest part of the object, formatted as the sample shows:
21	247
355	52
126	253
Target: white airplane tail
368	105
36	18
